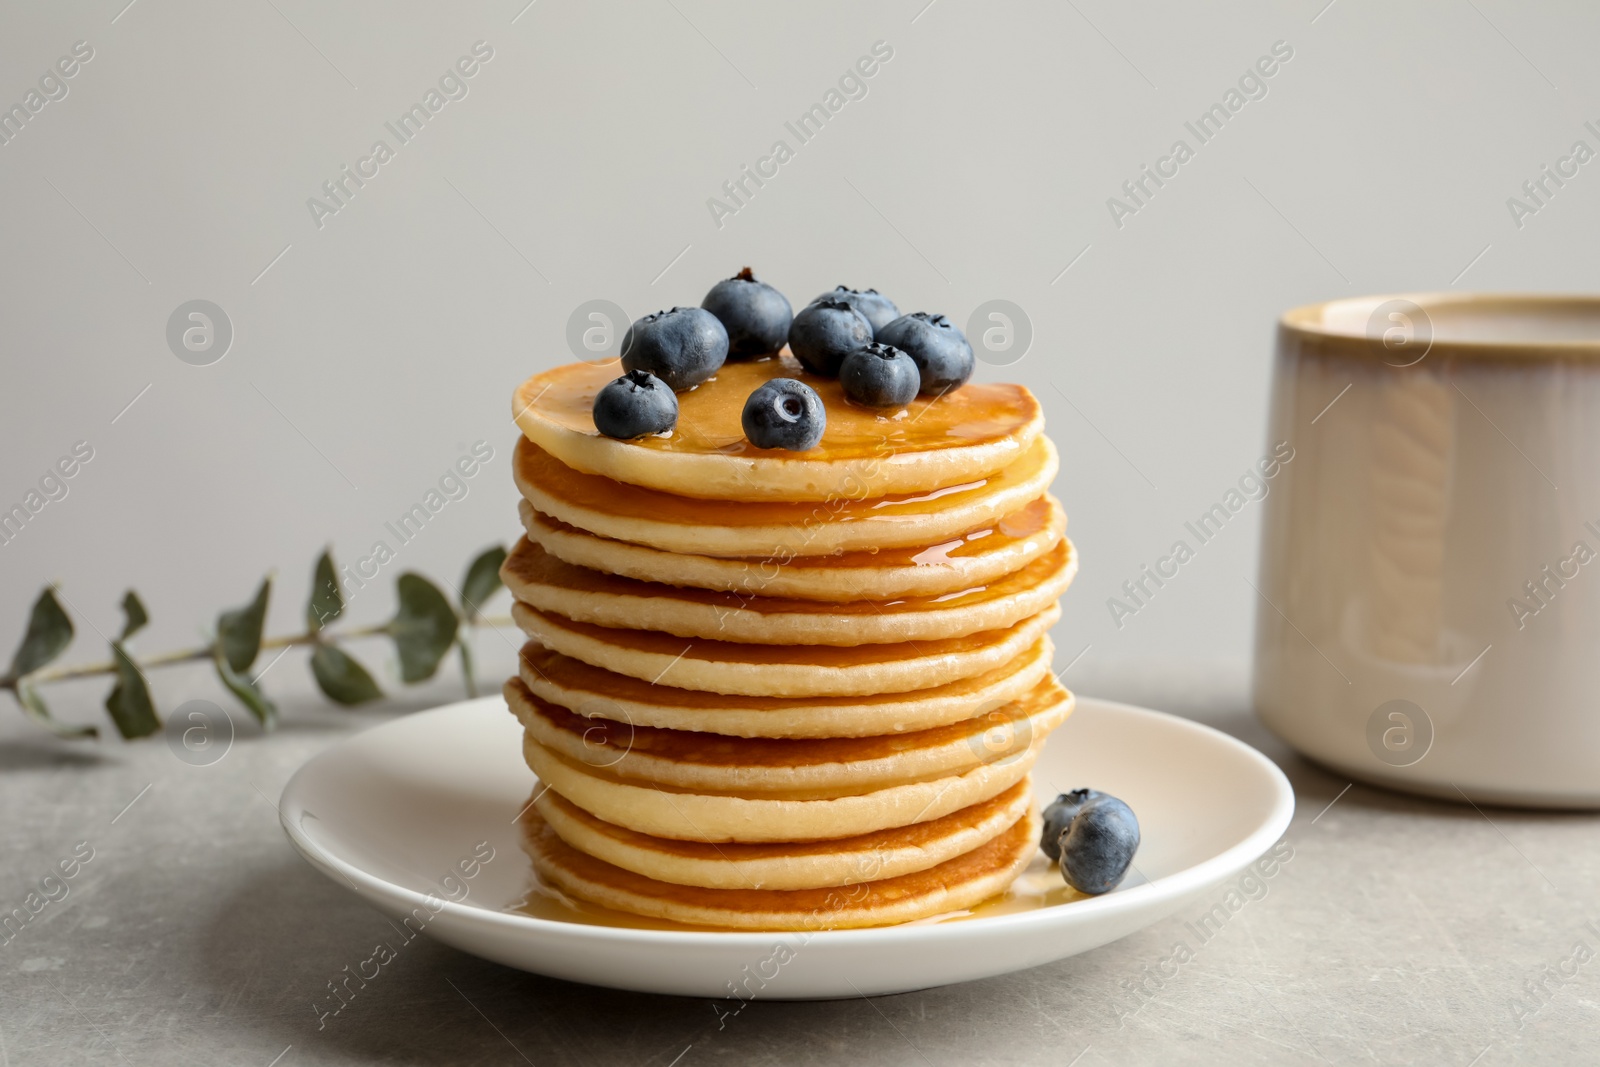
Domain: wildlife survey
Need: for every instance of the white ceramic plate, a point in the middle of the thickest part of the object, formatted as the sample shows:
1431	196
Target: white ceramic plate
404	813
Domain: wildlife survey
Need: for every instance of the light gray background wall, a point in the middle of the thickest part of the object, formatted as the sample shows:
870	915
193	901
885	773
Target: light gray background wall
380	346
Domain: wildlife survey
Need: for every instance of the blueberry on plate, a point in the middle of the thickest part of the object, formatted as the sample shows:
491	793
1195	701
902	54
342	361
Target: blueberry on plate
784	413
636	404
756	315
876	308
683	347
942	353
825	332
1098	844
879	376
1057	815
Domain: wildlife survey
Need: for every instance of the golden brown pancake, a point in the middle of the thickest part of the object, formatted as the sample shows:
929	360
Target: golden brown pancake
594	692
763	766
974	558
701	815
783	670
964	435
953	885
544	582
796	865
775	530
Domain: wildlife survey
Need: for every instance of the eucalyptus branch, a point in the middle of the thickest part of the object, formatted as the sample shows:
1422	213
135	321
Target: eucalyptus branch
424	629
195	655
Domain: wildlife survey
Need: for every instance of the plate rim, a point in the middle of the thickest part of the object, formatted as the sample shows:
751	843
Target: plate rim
1176	886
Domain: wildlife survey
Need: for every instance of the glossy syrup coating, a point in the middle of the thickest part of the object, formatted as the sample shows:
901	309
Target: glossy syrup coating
709	416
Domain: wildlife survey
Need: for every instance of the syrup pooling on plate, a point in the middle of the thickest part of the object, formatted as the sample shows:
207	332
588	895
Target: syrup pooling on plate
708	415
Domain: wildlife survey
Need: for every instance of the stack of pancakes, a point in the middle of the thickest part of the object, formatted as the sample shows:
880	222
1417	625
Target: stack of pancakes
785	690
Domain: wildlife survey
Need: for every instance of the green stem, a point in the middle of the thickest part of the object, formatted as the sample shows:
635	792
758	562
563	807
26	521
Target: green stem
193	655
466	665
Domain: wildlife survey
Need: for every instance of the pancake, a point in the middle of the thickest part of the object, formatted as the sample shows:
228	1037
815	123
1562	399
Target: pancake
953	885
682	815
966	434
763	766
542	581
974	558
802	865
783	670
869	519
591	691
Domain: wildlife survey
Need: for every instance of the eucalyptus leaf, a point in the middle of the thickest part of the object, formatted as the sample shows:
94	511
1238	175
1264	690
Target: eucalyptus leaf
265	711
341	678
481	582
49	632
327	602
134	615
39	712
129	702
424	627
239	630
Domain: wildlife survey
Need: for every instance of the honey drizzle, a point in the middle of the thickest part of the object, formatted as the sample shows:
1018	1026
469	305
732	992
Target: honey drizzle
591	492
709	414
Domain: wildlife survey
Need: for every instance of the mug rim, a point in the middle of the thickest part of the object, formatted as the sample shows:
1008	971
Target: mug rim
1309	323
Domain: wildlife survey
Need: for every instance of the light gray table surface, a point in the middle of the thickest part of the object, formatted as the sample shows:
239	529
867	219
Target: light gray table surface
1402	931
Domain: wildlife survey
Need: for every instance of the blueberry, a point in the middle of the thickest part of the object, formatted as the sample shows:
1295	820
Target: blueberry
825	332
879	376
636	404
1057	814
756	315
1098	845
784	413
683	347
876	308
942	353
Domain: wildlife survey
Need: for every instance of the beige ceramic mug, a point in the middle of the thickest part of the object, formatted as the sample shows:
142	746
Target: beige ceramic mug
1428	612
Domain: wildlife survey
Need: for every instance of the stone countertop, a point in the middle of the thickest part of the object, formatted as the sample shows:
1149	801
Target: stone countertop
1402	930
